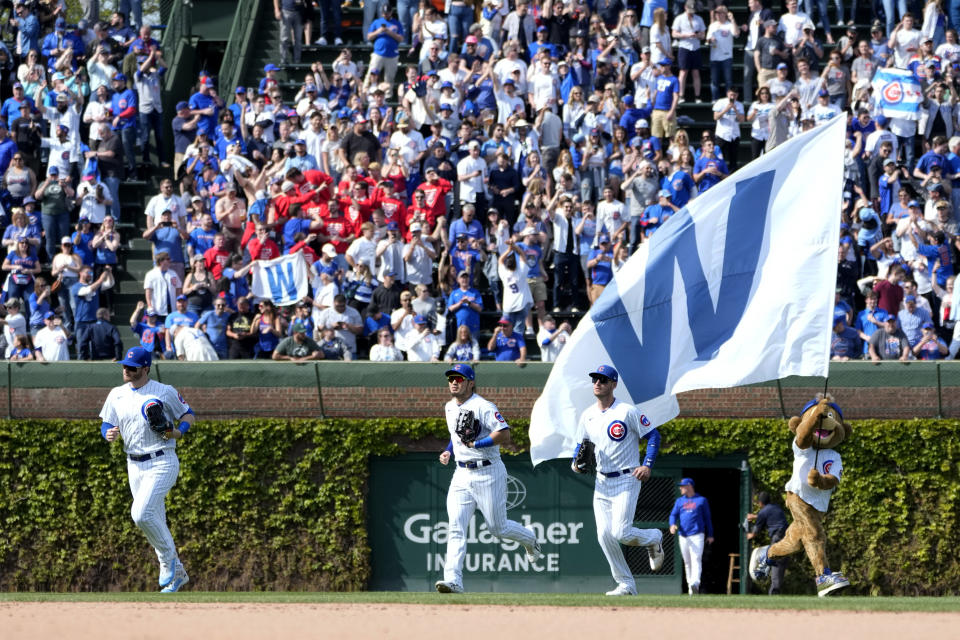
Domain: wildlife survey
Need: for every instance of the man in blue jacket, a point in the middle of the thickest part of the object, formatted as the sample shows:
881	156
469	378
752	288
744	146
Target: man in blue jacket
690	518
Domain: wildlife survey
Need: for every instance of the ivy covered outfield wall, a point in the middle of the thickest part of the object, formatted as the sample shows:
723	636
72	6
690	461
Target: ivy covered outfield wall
280	504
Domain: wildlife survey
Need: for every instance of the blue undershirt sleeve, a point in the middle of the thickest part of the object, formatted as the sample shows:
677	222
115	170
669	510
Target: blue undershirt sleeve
104	427
653	448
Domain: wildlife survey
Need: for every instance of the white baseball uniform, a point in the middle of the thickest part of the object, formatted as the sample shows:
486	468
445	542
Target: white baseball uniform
151	478
616	433
482	484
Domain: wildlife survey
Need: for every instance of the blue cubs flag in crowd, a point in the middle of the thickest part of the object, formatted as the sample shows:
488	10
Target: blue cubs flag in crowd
284	280
898	93
736	288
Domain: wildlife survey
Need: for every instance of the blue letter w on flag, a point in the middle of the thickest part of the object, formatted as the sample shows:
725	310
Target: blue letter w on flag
644	361
283	285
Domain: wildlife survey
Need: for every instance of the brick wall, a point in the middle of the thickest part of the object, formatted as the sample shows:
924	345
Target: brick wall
414	402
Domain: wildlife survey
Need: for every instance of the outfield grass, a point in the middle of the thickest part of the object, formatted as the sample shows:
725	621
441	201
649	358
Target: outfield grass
839	603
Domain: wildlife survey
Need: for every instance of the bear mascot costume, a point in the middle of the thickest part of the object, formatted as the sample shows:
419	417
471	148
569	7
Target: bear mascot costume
816	474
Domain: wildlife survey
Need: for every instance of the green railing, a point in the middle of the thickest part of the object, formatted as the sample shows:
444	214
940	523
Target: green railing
239	45
178	26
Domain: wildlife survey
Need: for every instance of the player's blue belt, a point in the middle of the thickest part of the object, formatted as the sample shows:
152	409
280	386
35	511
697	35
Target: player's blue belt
147	456
616	474
474	464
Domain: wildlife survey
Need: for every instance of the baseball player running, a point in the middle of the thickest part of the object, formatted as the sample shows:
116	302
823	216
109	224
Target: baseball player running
141	412
480	480
615	429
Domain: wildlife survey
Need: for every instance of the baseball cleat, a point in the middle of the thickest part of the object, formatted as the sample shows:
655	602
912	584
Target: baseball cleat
759	569
448	587
622	590
830	583
656	554
166	573
180	578
536	553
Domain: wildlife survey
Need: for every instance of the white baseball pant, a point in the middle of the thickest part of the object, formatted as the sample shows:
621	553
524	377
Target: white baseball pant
484	488
614	505
691	548
150	481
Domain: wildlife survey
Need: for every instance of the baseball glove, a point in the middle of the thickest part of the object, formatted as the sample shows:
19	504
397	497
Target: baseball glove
585	461
468	427
158	421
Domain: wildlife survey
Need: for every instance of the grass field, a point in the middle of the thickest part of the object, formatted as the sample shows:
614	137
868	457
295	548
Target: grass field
793	603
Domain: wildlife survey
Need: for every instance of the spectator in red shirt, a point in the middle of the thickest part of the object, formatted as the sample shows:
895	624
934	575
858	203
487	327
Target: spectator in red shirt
436	189
393	208
339	229
302	243
217	258
261	247
889	291
313	181
288	196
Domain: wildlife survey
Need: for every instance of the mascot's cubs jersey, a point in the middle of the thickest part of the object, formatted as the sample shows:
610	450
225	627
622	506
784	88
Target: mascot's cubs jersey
616	435
490	420
126	408
828	461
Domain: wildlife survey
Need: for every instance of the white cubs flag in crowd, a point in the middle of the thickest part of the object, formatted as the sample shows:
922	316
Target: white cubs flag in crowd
284	280
737	287
898	93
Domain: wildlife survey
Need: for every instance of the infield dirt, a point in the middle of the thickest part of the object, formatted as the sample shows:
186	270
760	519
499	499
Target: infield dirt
239	621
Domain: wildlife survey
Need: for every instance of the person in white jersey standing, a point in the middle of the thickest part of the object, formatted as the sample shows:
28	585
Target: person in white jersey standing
152	464
615	429
480	479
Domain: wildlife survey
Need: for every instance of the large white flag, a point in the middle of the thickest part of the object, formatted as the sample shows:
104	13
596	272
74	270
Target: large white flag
284	280
737	287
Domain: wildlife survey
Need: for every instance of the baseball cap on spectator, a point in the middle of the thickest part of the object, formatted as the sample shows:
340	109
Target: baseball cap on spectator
770	23
471	40
460	369
60	24
527	231
913	203
392	226
286	186
329	250
53	171
330	270
240	91
463	272
664	193
579	33
62	97
925	325
645	50
628	99
882	120
310	88
808	25
48	315
685	482
29	200
642	124
303	304
271	67
416	226
889	161
418	319
941	204
446	107
300	141
509	81
17	85
375	71
782	65
196	199
426	171
910	298
579	138
66	240
119	77
606	371
446	84
181	297
504	320
603	238
473	144
182	105
360	119
876	26
462	236
153	313
298	327
521	123
63	127
666	62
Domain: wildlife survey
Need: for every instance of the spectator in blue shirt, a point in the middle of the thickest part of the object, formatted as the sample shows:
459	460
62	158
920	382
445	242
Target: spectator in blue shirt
375	320
123	105
28	30
506	344
656	214
214	323
201	238
912	318
11	106
207	106
386	33
869	320
690	519
709	169
167	237
466	303
930	346
845	341
600	263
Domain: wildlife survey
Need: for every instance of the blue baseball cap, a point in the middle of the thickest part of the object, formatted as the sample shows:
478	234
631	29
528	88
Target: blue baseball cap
120	77
913	203
910	298
461	369
51	314
271	67
685	482
925	325
418	319
628	99
882	120
606	370
603	238
182	105
137	357
240	91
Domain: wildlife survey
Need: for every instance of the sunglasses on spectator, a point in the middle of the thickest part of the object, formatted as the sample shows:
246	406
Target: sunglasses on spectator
455	379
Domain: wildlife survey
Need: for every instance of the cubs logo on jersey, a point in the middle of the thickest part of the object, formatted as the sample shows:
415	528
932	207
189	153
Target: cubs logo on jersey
499	417
149	402
644	420
827	465
617	430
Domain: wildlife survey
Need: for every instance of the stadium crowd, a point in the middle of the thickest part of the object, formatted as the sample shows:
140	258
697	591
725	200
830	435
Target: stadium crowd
489	161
